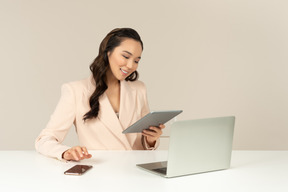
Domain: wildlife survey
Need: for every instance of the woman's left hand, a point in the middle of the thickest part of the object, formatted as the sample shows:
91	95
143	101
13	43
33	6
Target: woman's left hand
152	134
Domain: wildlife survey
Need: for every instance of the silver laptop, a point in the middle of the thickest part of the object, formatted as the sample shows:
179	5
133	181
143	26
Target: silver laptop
196	146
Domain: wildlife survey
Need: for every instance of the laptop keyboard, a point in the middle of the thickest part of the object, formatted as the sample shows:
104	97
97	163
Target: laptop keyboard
161	170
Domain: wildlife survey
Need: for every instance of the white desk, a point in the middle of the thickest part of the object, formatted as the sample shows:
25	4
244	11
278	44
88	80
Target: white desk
116	171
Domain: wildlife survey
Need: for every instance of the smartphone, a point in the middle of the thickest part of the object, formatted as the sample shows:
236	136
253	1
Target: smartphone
78	170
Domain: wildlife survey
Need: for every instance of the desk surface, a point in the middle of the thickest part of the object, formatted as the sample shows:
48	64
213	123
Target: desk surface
116	171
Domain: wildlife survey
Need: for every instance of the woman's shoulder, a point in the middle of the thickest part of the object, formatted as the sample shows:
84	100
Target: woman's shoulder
83	84
136	84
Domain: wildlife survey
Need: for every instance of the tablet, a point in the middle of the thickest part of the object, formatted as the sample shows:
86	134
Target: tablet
153	118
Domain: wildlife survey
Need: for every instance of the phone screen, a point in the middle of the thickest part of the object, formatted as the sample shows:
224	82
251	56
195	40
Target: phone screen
78	170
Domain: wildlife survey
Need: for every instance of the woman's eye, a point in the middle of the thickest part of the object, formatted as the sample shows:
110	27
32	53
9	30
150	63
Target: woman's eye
125	57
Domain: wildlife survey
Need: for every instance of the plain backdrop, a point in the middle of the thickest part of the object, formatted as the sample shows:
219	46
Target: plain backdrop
209	58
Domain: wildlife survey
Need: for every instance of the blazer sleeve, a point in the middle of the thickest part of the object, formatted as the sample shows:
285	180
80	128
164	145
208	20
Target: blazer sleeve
49	141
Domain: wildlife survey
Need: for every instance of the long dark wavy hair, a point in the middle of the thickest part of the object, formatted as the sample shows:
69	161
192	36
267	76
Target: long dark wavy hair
101	64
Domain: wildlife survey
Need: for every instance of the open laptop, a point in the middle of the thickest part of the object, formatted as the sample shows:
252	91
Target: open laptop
196	146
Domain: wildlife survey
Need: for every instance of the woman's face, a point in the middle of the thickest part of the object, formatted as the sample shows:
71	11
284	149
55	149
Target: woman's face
123	60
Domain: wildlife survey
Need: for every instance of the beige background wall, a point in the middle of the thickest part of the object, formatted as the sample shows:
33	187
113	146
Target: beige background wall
209	58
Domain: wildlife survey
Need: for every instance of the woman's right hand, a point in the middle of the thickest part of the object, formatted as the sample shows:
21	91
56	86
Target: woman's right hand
76	153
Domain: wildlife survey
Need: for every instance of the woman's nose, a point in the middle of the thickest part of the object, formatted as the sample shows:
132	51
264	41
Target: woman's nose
129	64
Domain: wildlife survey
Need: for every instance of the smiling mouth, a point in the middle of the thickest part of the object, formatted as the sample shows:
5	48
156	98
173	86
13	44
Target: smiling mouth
125	72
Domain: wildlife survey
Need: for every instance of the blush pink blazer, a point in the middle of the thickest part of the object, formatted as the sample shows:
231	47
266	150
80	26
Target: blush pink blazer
101	133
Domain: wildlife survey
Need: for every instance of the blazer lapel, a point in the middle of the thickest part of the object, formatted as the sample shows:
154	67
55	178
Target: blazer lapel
127	109
108	117
127	101
127	104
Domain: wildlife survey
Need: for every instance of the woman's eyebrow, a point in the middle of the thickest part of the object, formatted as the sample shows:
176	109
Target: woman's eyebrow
130	53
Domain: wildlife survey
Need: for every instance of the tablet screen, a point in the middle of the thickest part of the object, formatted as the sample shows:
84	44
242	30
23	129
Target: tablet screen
154	118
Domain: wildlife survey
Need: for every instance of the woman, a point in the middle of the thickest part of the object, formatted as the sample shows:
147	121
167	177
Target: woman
103	105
